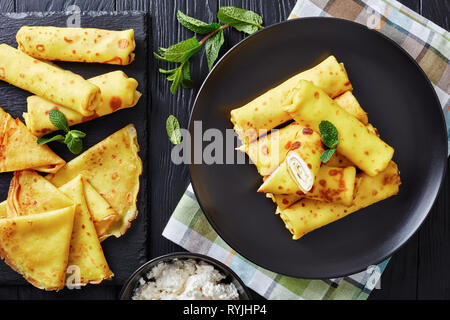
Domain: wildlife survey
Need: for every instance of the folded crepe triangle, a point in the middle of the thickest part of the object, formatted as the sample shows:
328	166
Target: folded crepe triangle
112	167
19	150
86	253
31	193
102	213
37	246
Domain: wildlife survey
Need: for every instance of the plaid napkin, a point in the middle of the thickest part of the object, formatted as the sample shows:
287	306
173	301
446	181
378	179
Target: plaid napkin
430	46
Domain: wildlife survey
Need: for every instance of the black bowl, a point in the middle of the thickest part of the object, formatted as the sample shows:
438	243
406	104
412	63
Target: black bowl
133	282
401	103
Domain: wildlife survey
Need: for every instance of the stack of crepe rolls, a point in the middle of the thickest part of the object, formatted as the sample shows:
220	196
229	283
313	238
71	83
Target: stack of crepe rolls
265	112
77	44
117	92
337	189
48	224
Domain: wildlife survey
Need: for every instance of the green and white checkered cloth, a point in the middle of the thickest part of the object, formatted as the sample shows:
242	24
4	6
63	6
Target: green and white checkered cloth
430	46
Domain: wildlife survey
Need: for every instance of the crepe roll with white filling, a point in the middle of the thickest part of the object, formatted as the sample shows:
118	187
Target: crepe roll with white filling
332	184
307	215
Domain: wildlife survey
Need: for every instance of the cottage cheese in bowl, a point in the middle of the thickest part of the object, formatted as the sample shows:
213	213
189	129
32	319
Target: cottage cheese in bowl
184	280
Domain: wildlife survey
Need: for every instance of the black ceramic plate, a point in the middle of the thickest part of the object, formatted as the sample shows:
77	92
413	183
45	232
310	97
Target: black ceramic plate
400	102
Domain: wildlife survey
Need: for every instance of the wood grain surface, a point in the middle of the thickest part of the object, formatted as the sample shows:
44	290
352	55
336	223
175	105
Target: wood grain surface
419	270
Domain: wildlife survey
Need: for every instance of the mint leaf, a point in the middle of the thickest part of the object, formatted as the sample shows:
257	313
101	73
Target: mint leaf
45	140
58	119
326	155
186	80
179	76
74	143
213	46
240	19
329	134
195	25
175	76
72	138
173	129
179	52
77	133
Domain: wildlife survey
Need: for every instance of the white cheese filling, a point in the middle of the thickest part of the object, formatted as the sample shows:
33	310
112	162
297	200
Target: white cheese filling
300	171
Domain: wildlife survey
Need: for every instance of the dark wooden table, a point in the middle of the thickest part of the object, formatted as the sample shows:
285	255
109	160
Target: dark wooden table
419	270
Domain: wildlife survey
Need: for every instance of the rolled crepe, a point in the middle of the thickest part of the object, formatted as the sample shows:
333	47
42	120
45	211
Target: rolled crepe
85	250
117	92
265	112
19	150
37	246
112	167
48	81
338	160
283	201
77	44
307	215
298	172
333	184
348	102
270	151
309	104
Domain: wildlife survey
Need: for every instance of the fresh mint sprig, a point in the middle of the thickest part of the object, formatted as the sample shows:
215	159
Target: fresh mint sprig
240	19
72	138
330	139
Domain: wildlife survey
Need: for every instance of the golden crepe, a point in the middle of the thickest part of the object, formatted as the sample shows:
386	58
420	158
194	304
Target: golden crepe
77	44
308	104
113	168
348	102
307	215
37	246
269	151
48	81
265	112
103	214
117	92
19	150
3	213
31	193
338	160
333	184
85	250
298	172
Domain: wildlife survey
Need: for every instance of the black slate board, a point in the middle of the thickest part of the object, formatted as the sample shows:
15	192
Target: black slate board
127	253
